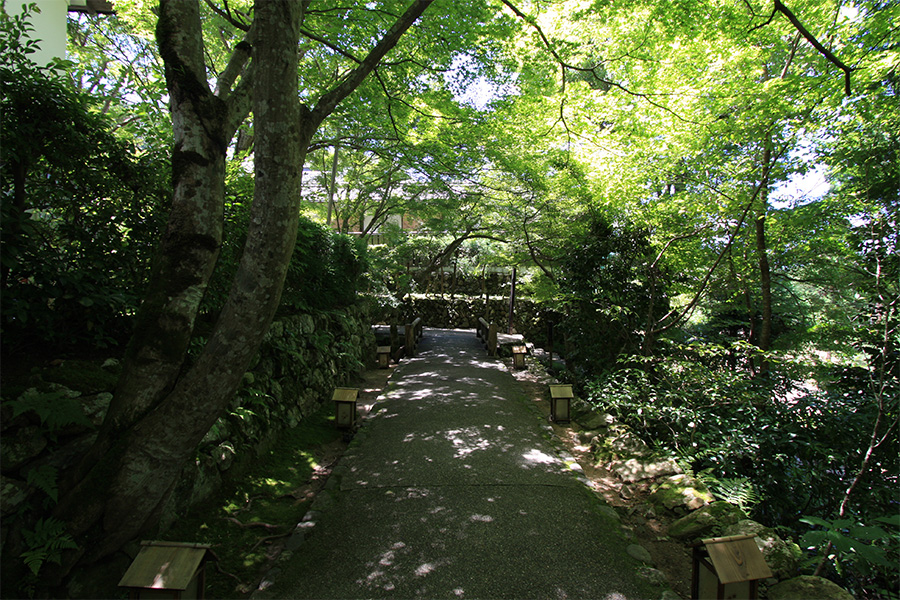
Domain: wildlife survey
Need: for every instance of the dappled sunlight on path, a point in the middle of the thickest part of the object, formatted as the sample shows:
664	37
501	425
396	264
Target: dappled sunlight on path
453	489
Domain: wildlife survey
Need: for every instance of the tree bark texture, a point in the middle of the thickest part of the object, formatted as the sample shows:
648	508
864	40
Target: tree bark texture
158	417
160	413
190	247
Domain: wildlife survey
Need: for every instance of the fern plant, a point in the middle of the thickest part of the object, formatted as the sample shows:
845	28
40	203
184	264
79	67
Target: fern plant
46	543
56	410
739	491
44	479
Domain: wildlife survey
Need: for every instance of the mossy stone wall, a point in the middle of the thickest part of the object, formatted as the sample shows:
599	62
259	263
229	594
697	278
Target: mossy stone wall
302	359
462	312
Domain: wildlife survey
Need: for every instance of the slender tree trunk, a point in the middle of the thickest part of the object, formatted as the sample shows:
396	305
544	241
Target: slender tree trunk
484	289
453	279
512	300
649	335
333	186
765	278
752	321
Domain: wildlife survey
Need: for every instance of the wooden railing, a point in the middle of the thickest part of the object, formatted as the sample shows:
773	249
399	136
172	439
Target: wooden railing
487	333
414	331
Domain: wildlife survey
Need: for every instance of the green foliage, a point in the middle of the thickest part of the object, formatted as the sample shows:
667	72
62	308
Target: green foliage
16	42
325	271
739	491
118	53
607	291
46	543
861	553
80	211
44	479
797	447
769	445
670	145
55	409
401	264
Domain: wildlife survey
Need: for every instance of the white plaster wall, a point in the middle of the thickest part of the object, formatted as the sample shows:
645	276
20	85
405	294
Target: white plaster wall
49	27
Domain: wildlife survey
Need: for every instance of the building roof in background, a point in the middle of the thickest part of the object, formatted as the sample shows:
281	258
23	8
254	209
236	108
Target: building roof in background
92	7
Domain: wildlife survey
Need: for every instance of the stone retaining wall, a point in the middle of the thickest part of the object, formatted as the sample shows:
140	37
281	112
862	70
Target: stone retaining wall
462	312
302	359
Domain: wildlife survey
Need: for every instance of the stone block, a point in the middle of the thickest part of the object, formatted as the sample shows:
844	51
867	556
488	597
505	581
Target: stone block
596	421
223	455
653	576
21	447
808	586
12	494
276	390
638	552
95	407
639	469
681	493
707	521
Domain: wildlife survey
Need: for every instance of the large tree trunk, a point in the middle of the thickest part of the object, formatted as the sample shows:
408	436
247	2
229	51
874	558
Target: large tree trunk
203	124
159	418
161	414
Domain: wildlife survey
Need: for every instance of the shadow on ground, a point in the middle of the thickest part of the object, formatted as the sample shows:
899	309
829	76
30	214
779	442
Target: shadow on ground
453	489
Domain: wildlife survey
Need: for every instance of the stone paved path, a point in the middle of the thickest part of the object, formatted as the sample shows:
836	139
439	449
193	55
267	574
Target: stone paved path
453	489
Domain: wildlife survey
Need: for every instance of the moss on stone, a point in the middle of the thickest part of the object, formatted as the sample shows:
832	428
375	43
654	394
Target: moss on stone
682	492
808	586
708	521
257	491
87	377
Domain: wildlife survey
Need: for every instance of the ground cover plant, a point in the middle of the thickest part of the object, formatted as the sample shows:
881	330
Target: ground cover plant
782	452
248	521
703	194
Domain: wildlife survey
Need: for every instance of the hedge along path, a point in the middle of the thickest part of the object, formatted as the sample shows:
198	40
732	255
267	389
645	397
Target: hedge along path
453	488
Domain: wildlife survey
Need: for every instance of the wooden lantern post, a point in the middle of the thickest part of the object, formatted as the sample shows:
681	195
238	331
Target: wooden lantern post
728	567
345	407
167	570
384	354
519	353
561	403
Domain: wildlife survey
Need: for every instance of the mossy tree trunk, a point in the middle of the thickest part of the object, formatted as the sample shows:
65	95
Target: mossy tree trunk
161	411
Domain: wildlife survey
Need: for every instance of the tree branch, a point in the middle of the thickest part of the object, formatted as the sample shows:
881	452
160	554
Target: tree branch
317	38
330	100
687	309
236	21
677	238
453	246
533	252
592	70
780	7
